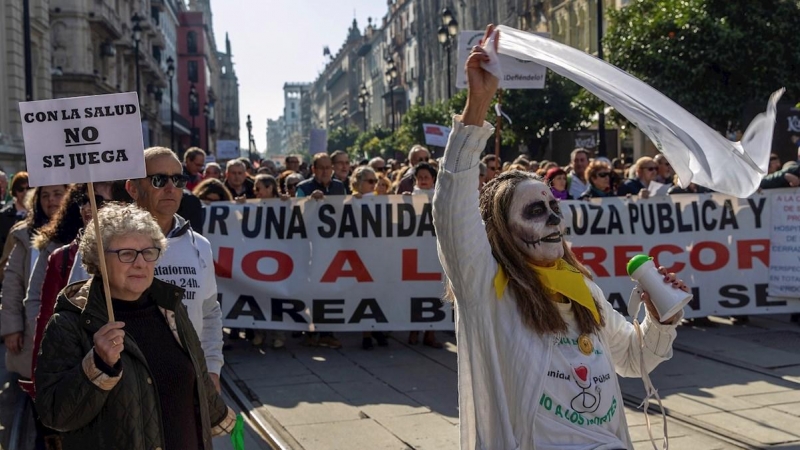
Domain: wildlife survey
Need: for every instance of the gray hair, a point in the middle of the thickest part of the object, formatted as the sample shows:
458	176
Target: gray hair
116	220
295	176
236	162
482	168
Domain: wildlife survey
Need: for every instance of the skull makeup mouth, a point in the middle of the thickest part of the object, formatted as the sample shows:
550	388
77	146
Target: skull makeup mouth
536	223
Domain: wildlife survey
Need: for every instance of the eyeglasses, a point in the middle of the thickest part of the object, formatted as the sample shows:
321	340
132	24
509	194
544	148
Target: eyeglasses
22	189
604	174
83	200
371	181
425	159
651	169
159	180
129	255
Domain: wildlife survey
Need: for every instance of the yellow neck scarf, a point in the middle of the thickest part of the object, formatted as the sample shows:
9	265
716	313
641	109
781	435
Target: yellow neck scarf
562	278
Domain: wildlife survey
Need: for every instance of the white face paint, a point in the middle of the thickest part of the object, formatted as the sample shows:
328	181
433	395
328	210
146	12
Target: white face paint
536	223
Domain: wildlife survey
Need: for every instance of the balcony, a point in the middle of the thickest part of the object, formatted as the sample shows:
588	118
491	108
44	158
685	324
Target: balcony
103	17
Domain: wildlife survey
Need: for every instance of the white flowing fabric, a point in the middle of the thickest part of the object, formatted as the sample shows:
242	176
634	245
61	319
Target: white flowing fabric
698	154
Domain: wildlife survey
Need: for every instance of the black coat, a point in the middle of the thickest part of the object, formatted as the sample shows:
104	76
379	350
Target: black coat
95	411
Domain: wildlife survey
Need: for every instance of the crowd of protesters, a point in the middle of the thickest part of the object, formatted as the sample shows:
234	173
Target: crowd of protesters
49	253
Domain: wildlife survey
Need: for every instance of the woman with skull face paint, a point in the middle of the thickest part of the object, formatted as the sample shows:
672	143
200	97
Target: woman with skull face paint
539	347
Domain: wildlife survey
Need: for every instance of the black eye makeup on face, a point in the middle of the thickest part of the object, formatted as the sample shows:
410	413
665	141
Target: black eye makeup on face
534	210
555	207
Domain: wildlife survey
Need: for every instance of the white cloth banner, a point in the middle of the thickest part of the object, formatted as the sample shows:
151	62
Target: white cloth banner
698	154
347	264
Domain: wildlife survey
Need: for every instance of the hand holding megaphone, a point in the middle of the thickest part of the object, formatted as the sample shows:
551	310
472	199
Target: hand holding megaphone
663	294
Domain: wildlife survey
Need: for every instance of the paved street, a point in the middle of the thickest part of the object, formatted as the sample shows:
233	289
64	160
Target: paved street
404	397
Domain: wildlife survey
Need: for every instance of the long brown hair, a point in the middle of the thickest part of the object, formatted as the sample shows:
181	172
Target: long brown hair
535	304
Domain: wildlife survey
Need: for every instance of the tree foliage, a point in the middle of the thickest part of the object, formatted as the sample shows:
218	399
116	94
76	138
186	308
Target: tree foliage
342	138
711	56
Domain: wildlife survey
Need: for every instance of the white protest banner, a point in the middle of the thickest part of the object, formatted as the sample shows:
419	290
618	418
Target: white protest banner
228	150
435	135
345	264
517	73
83	139
341	264
784	260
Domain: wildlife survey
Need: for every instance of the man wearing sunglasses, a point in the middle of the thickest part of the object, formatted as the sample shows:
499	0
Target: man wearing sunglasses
187	262
646	171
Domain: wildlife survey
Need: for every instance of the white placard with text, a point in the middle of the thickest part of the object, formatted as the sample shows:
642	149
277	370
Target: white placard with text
83	139
517	73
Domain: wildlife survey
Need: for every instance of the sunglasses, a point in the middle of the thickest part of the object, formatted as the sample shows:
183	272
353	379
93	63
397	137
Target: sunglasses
83	200
651	169
22	189
159	180
426	159
291	185
604	174
371	181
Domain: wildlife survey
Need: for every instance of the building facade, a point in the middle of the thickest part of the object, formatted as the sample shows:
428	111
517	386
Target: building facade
296	117
227	113
12	73
275	132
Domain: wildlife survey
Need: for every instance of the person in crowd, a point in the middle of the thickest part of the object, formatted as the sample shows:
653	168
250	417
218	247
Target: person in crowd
482	175
193	162
392	165
363	183
16	210
322	183
576	182
518	166
493	166
270	166
691	189
416	155
91	372
237	181
292	162
17	330
53	271
526	307
383	186
292	181
3	187
282	180
646	170
424	175
665	171
378	164
266	187
212	190
248	166
191	209
774	163
160	193
212	170
599	174
556	178
341	168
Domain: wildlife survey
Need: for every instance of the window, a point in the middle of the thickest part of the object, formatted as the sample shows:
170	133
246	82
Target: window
192	69
191	42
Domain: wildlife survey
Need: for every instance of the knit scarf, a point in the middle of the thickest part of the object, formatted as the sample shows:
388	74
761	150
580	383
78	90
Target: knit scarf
562	278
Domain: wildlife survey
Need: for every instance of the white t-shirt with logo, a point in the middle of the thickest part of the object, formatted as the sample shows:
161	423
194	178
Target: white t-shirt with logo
580	407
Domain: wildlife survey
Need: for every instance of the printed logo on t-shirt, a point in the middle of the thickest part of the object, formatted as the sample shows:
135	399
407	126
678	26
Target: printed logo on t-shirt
182	276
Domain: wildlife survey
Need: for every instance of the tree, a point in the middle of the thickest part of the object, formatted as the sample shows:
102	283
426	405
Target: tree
411	130
342	138
710	56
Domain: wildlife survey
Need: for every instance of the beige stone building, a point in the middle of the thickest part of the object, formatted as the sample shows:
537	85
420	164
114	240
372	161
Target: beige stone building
12	73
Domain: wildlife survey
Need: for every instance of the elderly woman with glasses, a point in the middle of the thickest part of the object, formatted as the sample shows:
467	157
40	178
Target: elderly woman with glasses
599	175
137	383
646	172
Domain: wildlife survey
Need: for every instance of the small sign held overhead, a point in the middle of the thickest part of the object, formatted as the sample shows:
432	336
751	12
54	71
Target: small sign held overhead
517	73
83	139
435	135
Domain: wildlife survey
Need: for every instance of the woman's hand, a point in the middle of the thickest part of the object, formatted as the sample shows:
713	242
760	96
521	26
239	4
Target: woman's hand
482	85
669	277
285	197
358	195
240	200
109	342
13	342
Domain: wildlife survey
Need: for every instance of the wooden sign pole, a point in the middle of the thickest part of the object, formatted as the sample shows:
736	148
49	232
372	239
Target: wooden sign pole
102	252
498	128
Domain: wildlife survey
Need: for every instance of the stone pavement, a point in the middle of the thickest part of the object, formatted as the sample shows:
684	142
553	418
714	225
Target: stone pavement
403	397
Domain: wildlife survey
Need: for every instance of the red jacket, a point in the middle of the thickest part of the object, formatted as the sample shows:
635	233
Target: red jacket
56	277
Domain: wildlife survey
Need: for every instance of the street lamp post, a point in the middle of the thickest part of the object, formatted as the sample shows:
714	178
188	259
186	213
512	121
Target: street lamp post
171	74
363	101
249	125
207	114
137	37
446	34
391	78
344	113
601	118
193	110
26	38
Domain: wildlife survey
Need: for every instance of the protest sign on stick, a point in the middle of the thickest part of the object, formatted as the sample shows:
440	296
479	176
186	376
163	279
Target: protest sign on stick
84	140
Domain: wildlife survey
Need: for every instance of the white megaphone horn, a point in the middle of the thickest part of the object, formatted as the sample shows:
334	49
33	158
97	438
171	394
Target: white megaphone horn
667	300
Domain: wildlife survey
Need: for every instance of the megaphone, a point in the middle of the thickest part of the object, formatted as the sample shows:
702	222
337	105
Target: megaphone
667	300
